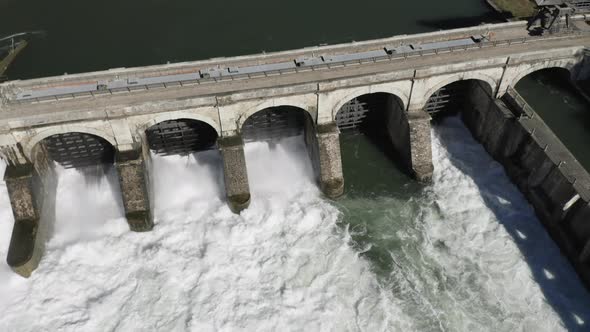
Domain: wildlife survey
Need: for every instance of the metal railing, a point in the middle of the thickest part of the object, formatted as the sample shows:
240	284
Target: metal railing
324	66
520	103
549	142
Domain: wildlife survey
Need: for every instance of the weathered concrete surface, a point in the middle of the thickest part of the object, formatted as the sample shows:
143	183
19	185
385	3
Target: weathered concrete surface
226	103
329	160
31	189
235	172
398	128
118	116
133	175
420	145
549	176
25	248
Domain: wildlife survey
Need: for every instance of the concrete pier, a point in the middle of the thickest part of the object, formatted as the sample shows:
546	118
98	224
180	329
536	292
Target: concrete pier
106	109
409	133
328	159
25	248
235	172
31	189
133	179
420	162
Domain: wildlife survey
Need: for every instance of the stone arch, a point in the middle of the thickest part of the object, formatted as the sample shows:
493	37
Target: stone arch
491	82
366	90
276	122
281	102
537	67
30	144
179	115
381	117
179	135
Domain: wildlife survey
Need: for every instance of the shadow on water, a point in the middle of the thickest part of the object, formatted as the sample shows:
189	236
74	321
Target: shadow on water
552	272
371	165
379	195
551	94
461	22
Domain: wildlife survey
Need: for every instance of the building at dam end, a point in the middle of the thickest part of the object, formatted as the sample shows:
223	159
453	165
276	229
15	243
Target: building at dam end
400	84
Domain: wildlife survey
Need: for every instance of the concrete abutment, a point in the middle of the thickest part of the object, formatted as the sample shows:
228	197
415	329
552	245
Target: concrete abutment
542	168
31	189
537	167
25	250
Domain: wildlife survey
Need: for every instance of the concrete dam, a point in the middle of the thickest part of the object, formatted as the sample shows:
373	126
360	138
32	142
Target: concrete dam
398	85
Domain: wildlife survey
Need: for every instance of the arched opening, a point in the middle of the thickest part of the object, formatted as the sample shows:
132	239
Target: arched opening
563	104
280	149
375	144
455	98
275	123
556	75
76	183
181	136
468	100
75	150
183	159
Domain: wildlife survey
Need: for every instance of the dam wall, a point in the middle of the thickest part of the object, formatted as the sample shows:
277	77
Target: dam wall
549	176
32	190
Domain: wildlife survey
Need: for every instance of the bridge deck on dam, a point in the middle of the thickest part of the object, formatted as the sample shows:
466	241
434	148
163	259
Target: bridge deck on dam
108	119
399	68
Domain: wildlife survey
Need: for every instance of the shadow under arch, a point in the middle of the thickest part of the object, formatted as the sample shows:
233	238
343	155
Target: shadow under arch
74	150
30	145
453	97
91	155
565	71
378	122
466	76
181	136
272	123
563	75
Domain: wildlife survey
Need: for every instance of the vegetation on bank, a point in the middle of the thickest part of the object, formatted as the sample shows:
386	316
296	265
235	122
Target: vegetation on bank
517	8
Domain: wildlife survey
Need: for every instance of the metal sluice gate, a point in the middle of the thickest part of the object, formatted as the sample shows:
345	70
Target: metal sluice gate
274	123
447	99
362	111
352	114
79	150
181	137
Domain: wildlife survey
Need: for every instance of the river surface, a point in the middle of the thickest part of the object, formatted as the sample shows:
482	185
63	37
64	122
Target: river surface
83	37
562	107
465	253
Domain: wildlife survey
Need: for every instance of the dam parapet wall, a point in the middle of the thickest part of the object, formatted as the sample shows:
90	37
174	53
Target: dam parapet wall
544	170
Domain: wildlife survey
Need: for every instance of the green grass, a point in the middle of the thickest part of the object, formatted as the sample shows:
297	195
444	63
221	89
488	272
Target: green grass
518	8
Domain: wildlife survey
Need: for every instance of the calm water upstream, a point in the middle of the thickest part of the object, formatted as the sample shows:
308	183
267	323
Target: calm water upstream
84	37
464	253
564	110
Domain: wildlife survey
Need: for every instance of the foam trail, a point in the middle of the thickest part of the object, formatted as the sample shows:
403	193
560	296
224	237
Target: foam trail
476	258
466	255
283	264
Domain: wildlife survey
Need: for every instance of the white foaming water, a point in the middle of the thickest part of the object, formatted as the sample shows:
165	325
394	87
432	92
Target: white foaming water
283	264
477	258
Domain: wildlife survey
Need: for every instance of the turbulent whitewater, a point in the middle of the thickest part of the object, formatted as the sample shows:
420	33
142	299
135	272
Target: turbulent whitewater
457	258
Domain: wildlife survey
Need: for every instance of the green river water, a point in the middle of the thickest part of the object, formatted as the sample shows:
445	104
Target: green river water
464	253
